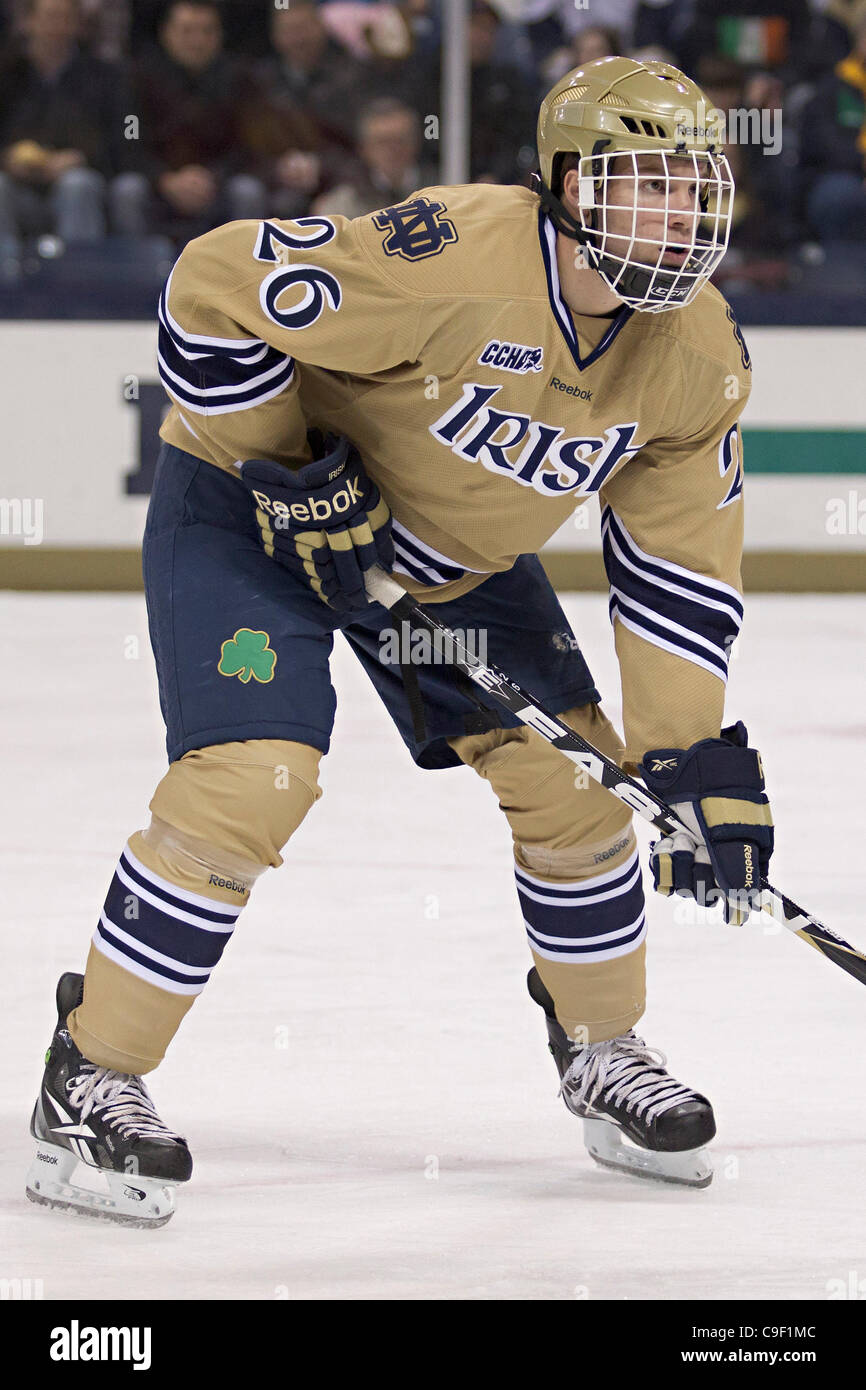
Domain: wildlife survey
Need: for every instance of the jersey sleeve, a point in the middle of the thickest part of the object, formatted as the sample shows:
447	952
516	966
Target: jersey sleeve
247	305
672	535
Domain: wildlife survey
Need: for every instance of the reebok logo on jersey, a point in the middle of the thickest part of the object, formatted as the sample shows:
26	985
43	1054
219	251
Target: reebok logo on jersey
530	452
314	509
512	357
579	391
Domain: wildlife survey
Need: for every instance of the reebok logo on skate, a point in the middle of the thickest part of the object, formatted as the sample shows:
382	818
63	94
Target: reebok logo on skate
314	509
77	1343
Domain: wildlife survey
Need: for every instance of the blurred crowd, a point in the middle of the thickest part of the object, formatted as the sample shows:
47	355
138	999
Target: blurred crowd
142	118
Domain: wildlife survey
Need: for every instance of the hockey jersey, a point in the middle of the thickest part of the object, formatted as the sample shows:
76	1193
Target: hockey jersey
435	335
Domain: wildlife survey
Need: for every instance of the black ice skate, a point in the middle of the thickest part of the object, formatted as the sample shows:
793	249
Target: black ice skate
105	1121
622	1092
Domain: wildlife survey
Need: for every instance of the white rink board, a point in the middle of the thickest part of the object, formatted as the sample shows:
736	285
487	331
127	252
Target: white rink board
353	1044
70	437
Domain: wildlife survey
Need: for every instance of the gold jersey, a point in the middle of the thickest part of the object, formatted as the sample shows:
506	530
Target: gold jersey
434	334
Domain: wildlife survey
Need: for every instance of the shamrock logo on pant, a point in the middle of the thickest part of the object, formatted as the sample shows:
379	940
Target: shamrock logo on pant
248	657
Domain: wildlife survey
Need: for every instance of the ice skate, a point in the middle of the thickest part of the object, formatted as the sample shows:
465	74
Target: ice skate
636	1117
101	1148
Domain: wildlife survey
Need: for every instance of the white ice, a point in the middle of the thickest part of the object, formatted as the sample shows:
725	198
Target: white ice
365	1084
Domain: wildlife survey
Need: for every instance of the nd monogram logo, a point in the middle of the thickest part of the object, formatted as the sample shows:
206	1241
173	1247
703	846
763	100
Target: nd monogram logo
415	229
549	464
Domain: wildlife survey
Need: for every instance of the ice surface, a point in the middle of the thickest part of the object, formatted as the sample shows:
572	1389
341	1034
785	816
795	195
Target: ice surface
365	1084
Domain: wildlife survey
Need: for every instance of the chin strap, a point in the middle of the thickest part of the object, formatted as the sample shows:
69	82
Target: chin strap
559	214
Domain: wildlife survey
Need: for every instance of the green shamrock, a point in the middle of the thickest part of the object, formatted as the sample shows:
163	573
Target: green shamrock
248	655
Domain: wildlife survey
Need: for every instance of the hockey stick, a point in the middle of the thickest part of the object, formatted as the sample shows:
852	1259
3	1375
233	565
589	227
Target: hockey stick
385	590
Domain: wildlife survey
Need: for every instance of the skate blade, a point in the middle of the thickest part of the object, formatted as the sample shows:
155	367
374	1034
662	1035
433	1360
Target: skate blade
130	1200
608	1146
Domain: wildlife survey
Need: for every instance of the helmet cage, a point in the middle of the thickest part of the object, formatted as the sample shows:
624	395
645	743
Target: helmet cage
645	281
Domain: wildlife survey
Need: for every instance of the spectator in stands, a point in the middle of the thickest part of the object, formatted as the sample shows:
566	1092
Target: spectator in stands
504	106
107	25
838	22
619	15
504	109
299	120
368	30
289	153
659	26
389	144
762	223
245	24
833	147
595	41
191	97
773	35
308	71
61	130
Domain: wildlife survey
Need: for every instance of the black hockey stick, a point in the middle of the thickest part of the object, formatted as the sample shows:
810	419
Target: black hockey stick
385	590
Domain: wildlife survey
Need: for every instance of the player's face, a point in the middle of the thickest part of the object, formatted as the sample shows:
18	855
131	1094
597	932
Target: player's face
652	209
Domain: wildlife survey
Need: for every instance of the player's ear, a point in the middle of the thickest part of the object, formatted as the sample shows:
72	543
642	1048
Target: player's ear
571	191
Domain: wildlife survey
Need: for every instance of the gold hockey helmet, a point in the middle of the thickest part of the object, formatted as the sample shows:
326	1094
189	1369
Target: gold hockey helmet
625	120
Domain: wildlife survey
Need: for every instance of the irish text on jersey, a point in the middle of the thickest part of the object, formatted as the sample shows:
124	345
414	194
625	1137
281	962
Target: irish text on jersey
475	430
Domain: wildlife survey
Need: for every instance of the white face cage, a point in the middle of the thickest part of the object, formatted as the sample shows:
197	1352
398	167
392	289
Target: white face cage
657	223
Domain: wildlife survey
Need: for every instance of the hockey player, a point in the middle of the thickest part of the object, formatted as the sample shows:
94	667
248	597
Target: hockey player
435	388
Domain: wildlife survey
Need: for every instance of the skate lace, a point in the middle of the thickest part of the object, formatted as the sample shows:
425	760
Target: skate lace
628	1073
123	1101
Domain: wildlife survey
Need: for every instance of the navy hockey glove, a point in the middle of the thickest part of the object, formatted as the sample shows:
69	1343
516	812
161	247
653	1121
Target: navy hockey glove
717	788
326	522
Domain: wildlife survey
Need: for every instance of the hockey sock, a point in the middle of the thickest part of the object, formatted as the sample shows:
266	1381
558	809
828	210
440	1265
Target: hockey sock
170	910
587	942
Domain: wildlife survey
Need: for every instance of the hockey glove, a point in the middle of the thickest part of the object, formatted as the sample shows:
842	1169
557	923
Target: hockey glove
326	522
717	788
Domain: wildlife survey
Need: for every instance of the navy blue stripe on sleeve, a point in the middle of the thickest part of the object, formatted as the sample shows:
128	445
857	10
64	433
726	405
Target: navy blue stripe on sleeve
689	614
214	376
